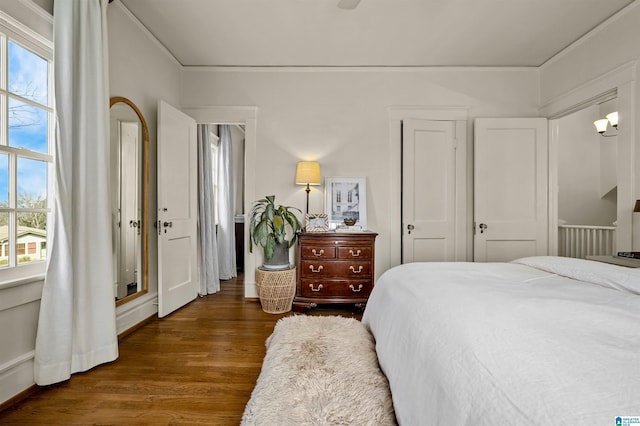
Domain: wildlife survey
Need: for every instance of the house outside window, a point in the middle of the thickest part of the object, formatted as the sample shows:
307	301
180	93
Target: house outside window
26	134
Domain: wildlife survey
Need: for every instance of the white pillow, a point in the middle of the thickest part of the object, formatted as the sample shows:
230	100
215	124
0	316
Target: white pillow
602	274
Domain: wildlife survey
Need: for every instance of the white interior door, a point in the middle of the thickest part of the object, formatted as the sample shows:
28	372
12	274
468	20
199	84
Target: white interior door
428	191
177	209
511	188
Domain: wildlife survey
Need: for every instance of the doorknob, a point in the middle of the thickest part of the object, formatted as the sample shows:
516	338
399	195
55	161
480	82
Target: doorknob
166	225
483	226
410	228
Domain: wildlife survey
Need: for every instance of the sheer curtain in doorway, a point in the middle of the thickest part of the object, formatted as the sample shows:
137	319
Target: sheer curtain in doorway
209	272
226	208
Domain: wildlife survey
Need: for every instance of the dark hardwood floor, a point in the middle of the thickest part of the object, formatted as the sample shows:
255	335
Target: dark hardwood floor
196	366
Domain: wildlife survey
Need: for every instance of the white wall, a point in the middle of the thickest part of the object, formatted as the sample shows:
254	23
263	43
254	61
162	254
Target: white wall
141	70
340	117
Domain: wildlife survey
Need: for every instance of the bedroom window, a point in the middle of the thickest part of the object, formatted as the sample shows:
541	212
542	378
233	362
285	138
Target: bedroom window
26	123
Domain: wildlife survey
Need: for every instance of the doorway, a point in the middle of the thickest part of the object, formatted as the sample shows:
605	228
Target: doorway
619	84
587	182
244	116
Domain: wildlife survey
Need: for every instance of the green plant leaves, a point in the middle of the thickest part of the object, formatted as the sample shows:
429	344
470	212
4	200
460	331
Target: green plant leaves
261	232
269	212
269	246
268	225
278	229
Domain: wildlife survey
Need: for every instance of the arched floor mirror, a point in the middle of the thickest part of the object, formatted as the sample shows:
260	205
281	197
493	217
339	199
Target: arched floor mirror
129	148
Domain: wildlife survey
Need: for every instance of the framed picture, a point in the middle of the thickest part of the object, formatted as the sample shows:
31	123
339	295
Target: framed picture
316	222
346	202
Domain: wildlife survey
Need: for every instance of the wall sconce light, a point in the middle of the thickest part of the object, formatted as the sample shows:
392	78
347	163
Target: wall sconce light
308	173
603	123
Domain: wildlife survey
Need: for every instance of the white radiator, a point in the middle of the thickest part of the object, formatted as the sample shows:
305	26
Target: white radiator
581	241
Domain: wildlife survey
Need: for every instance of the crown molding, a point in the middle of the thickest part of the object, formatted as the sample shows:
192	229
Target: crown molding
345	69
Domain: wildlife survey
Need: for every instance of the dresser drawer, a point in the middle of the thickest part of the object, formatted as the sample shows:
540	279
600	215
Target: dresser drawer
335	288
354	253
317	252
342	268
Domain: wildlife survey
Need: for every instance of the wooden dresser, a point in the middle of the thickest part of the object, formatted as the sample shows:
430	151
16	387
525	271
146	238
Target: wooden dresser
334	267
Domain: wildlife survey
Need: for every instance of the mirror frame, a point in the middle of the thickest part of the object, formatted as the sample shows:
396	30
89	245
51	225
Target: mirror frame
145	199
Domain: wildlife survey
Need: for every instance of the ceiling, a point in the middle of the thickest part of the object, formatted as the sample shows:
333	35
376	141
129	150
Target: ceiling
376	33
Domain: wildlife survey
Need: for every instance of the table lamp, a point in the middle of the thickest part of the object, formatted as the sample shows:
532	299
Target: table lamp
308	173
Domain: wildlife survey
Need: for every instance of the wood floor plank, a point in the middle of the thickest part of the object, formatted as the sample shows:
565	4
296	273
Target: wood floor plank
198	366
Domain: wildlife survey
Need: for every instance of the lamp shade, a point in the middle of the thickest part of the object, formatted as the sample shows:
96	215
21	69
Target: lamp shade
613	119
308	173
601	125
636	208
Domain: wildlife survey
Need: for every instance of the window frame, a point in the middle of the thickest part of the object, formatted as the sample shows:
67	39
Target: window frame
11	30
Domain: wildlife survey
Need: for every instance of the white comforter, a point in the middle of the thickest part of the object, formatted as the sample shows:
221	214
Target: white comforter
540	341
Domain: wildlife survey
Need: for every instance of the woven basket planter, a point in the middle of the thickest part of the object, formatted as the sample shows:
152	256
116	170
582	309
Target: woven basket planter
276	290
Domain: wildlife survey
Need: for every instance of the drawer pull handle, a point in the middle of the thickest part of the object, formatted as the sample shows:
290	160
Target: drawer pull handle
353	289
353	269
356	254
320	268
318	254
319	287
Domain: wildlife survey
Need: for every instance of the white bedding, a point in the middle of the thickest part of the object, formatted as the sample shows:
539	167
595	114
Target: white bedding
539	341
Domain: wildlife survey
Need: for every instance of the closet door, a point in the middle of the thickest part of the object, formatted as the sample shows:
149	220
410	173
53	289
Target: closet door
511	188
433	228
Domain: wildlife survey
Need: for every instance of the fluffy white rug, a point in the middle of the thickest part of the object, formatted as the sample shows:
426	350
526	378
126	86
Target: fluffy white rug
320	371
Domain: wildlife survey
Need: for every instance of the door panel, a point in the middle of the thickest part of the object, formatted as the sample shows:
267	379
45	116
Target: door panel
429	190
177	209
511	186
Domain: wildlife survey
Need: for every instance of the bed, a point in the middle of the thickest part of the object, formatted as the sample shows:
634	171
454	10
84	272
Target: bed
536	341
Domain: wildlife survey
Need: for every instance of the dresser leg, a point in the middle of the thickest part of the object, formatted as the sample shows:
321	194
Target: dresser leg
300	307
360	306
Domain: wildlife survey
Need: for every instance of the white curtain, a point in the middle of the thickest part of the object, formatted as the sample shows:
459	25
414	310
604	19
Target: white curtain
226	210
77	327
209	275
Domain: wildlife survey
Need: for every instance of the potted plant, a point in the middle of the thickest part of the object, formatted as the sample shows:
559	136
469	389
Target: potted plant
268	228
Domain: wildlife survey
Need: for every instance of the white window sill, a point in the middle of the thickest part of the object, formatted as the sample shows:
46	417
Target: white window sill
20	275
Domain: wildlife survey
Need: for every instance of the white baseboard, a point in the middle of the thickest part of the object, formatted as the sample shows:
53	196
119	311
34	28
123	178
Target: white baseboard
250	291
135	311
16	376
